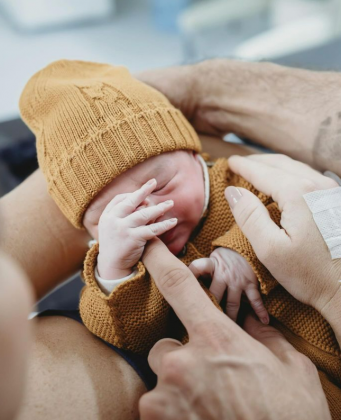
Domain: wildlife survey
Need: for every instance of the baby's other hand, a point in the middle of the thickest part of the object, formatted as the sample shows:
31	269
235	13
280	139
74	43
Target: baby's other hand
230	271
124	229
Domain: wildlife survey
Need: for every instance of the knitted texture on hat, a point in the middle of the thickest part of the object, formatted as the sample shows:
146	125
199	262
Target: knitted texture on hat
93	122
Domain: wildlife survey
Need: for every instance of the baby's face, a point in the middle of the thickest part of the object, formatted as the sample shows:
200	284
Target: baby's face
179	177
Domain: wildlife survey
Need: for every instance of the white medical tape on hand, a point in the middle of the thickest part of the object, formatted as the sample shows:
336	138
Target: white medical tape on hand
325	206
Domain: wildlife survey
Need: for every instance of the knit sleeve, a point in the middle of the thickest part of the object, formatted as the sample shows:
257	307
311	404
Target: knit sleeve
133	316
235	239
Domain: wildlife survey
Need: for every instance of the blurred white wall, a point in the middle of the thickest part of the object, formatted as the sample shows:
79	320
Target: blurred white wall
133	33
129	38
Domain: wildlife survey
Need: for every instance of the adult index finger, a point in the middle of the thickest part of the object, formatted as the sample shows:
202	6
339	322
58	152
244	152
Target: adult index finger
269	180
293	167
178	286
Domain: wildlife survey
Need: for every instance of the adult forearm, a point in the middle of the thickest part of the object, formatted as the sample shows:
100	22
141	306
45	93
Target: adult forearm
292	111
36	234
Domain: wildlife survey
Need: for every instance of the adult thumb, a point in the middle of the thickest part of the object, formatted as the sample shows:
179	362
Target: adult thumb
160	349
252	217
268	336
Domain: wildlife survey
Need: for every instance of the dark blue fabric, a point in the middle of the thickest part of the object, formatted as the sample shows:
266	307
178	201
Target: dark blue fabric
137	362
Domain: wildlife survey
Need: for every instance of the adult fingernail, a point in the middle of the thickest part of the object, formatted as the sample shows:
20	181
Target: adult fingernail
151	181
168	202
233	195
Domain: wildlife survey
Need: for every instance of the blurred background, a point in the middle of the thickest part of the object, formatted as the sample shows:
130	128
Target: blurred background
151	33
142	34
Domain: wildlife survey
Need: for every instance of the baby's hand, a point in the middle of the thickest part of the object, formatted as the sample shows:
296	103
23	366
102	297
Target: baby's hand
123	231
231	271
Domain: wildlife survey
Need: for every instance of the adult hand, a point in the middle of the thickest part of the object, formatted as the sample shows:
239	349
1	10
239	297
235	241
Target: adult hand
223	372
294	253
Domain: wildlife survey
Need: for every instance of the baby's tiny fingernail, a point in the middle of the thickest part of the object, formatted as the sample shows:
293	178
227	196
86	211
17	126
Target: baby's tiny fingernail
151	181
265	320
169	202
173	220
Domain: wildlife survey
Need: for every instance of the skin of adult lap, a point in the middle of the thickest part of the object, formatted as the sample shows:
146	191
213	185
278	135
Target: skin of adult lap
295	253
16	300
223	372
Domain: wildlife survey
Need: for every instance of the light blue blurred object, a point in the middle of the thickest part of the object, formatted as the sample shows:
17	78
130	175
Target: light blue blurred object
216	27
37	15
166	12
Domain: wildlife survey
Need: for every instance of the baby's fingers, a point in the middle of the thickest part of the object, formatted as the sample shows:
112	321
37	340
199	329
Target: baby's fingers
254	296
206	267
233	303
218	288
155	229
134	199
202	267
116	200
148	214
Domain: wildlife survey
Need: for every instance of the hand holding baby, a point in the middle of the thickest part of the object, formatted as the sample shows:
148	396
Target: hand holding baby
124	228
230	271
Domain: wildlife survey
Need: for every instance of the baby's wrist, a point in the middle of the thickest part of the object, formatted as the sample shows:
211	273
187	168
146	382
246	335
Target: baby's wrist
113	274
110	272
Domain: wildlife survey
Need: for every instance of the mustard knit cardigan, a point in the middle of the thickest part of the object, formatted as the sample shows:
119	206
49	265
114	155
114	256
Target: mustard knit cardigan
135	315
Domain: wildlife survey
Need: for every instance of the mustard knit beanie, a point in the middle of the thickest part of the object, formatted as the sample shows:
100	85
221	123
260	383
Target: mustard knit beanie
92	122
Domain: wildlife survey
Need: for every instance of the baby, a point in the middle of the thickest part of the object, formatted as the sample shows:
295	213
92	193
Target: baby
170	206
121	161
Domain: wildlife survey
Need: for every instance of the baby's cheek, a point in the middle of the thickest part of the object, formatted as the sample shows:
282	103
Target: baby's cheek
192	206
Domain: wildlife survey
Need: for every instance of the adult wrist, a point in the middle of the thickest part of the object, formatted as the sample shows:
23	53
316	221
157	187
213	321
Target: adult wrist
332	313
